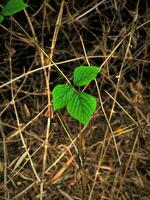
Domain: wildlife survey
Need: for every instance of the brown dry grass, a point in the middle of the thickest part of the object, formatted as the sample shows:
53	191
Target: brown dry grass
42	155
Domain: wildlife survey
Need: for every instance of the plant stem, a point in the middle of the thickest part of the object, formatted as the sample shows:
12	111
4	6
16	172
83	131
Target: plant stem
82	169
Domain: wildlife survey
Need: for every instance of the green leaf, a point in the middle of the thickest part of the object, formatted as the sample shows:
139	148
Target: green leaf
61	95
84	75
1	18
81	106
12	7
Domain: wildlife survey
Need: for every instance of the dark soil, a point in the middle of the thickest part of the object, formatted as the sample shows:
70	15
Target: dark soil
42	155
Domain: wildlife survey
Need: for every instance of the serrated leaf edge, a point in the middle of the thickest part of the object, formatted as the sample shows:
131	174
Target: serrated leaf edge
54	100
78	84
77	107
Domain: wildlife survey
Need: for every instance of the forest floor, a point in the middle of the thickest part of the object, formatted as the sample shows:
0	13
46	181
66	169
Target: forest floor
49	155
